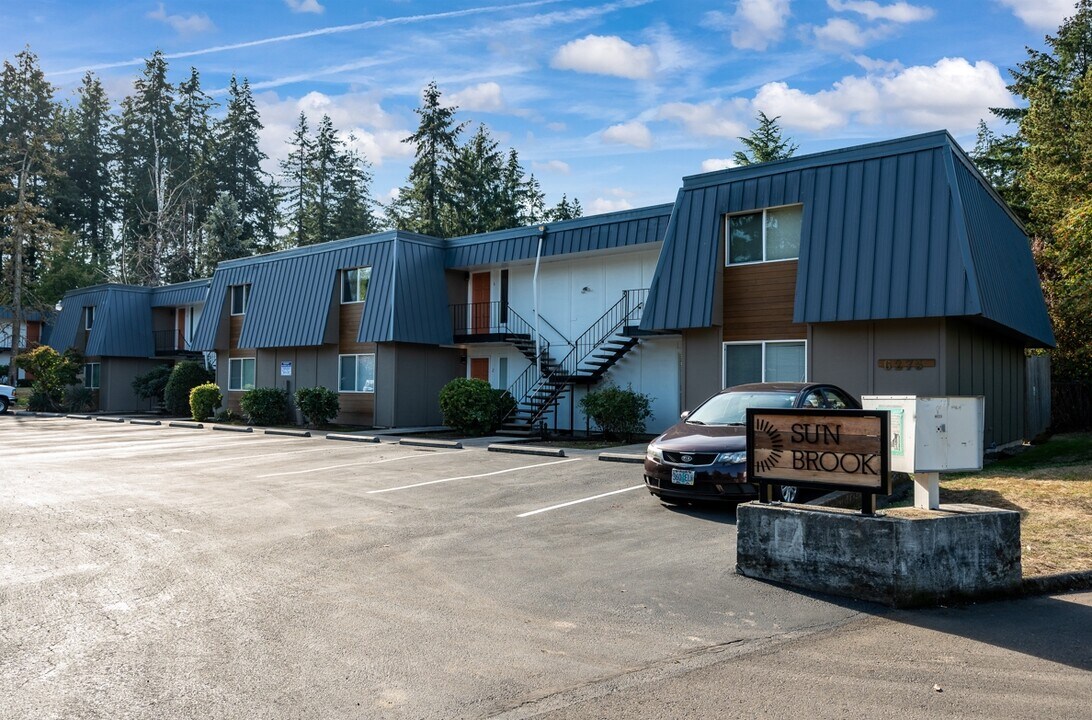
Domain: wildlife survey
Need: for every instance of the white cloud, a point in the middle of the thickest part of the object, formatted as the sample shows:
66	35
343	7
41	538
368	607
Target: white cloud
754	25
714	164
484	96
554	166
377	135
600	205
1041	14
305	6
710	119
874	65
631	133
183	24
899	12
841	33
606	55
952	94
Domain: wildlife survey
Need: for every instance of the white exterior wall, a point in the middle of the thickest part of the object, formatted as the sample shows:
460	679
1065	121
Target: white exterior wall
575	292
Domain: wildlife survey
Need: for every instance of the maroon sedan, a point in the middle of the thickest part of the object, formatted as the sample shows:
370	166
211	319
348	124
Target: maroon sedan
704	456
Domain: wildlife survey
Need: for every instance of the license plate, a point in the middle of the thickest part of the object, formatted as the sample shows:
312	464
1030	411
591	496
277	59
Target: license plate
682	477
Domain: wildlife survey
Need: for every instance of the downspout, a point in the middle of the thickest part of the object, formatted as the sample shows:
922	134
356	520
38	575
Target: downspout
534	291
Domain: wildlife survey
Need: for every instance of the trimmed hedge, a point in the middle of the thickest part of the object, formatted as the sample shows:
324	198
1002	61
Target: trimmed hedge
185	376
618	413
472	407
319	405
265	406
204	399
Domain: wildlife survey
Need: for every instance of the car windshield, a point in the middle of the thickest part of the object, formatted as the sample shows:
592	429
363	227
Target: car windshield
731	408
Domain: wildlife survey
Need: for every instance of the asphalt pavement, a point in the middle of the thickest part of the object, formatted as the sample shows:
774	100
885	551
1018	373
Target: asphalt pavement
154	572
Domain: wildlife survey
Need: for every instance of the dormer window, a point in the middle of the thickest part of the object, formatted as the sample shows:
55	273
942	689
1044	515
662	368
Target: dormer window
88	317
764	235
354	284
240	298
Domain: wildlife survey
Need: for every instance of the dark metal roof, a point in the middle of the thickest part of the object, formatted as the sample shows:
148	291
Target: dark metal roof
187	293
586	234
887	232
28	315
291	292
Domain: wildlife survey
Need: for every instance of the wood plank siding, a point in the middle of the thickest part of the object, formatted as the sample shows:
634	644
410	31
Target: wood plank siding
356	408
758	302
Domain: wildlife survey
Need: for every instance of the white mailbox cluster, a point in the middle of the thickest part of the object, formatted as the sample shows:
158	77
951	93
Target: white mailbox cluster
930	435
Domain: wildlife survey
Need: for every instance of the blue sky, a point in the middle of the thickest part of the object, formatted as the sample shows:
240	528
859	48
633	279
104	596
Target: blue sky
613	101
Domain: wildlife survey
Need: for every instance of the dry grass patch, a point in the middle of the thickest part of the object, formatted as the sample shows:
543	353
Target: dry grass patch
1051	487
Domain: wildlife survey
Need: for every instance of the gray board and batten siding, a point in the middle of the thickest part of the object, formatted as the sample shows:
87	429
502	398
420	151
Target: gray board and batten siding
627	228
291	293
899	229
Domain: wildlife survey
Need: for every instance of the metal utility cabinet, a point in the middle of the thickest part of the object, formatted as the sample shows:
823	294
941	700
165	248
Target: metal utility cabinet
930	435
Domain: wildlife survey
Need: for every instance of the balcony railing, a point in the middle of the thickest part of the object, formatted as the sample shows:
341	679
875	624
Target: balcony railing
171	342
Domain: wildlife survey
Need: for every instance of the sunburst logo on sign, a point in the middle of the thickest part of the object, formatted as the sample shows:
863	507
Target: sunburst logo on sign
767	458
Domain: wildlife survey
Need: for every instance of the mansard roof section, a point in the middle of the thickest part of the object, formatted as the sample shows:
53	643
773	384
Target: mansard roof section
885	234
609	231
122	326
179	294
292	292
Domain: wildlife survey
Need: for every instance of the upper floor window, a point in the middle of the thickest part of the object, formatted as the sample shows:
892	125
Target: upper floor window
240	298
764	235
354	284
88	317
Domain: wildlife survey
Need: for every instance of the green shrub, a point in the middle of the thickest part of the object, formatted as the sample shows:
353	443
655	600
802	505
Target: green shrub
319	405
40	401
78	398
152	384
471	406
226	415
265	406
52	373
618	413
185	376
204	399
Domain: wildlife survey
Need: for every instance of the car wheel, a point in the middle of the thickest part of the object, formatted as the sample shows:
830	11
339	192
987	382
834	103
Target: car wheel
3	405
788	493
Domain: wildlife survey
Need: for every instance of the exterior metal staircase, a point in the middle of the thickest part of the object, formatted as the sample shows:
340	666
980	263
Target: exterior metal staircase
540	388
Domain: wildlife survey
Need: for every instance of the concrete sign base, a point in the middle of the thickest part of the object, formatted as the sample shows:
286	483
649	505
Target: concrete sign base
907	557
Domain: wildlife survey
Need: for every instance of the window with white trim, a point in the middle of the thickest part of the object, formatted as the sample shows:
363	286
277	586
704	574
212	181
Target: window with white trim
92	375
240	374
240	298
88	317
354	284
766	361
764	235
356	373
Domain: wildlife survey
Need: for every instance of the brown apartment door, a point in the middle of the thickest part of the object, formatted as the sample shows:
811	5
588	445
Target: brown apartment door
479	296
479	369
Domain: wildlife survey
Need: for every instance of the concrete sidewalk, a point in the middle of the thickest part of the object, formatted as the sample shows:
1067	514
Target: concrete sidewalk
1028	658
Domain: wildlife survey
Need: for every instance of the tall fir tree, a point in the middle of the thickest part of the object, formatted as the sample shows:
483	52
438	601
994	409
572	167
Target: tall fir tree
296	185
764	143
354	205
325	155
565	210
28	142
422	202
475	187
193	168
225	236
238	168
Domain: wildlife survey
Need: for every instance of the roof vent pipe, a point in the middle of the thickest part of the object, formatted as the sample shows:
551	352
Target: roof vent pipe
534	291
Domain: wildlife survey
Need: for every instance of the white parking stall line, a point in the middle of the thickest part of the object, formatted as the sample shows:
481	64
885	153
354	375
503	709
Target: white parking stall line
355	464
470	477
576	502
263	456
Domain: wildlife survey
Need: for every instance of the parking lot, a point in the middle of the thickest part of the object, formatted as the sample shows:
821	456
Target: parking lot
169	572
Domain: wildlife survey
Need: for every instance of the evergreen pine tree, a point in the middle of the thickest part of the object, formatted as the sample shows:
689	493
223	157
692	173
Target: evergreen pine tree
565	210
765	143
297	187
225	236
239	166
193	171
325	156
353	198
475	187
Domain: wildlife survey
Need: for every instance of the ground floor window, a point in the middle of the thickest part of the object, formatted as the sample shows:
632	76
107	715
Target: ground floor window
356	373
240	374
92	375
768	361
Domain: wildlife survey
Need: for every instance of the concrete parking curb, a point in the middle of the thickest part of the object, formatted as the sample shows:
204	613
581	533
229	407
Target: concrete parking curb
622	457
233	428
432	443
110	419
352	438
526	450
289	433
190	425
78	417
145	422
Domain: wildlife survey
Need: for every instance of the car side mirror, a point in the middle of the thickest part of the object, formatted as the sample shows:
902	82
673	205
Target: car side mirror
684	415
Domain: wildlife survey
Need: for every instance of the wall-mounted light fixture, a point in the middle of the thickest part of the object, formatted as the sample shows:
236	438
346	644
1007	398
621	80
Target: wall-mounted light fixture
585	290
